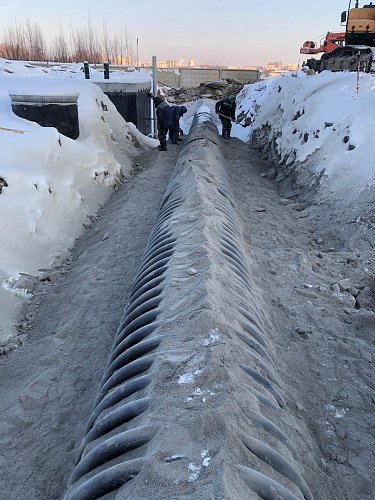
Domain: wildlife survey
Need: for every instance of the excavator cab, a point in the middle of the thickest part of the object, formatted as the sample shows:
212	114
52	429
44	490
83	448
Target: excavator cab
360	28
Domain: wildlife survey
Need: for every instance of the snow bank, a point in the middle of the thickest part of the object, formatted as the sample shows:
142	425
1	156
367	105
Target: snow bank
52	181
49	183
323	123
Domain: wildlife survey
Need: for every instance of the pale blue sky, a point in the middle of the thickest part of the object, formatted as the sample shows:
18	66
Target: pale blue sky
238	32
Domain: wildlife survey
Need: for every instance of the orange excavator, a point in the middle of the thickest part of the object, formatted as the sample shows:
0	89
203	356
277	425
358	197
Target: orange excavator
327	44
353	50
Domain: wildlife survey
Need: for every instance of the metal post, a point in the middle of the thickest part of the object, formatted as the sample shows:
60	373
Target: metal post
154	93
137	56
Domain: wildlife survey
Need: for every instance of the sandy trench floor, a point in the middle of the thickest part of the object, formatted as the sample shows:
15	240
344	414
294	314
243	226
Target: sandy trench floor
325	347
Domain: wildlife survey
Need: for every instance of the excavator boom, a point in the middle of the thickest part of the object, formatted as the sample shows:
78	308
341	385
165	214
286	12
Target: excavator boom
328	44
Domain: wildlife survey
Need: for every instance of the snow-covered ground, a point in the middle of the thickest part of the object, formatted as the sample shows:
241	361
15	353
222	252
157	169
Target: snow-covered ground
320	123
50	184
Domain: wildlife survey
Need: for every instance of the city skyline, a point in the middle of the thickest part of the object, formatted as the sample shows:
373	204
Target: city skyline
180	63
212	33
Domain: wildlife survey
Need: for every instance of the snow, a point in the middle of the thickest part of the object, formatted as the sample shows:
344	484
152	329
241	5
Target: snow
197	469
322	121
68	71
204	114
53	182
213	338
189	377
336	412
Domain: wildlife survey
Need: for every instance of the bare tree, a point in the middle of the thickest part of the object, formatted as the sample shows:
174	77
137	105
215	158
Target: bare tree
115	56
129	47
93	45
35	43
24	42
123	52
60	50
79	46
14	42
106	42
85	44
27	42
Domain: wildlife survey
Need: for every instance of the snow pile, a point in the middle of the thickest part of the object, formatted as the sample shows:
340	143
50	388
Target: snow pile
49	183
321	123
52	181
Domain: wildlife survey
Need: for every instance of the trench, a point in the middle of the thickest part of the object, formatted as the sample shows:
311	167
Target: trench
194	314
174	371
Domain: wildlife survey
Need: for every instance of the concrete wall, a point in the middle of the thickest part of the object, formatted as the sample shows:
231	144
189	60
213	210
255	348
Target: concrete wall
242	75
132	101
58	111
168	78
193	77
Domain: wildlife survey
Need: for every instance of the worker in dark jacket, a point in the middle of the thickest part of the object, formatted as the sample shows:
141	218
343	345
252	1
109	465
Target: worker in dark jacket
174	129
164	121
226	109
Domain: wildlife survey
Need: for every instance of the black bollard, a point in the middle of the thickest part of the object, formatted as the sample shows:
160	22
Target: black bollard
106	70
86	70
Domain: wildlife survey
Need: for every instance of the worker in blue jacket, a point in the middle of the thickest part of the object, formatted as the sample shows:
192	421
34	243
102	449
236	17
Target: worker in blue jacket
174	129
164	121
226	109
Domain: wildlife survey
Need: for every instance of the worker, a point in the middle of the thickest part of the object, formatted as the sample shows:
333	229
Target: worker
226	109
164	121
174	129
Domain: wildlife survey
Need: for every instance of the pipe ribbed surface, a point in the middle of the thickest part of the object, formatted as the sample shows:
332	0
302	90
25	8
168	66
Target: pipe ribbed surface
191	404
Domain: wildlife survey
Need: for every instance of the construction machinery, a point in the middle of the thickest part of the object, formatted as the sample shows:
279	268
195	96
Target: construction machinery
327	44
357	53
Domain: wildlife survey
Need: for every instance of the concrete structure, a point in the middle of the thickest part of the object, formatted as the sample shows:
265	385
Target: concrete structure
132	101
193	77
59	111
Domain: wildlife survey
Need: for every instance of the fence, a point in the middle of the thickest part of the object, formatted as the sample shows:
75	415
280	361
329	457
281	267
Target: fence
193	77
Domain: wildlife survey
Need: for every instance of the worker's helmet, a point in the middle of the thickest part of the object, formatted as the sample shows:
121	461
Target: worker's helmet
232	98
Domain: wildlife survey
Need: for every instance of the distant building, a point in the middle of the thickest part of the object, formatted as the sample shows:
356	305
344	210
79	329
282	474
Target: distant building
275	65
270	67
250	67
162	64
